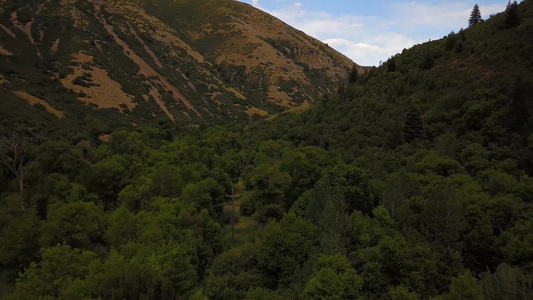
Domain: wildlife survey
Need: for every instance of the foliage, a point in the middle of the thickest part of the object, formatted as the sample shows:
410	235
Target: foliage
333	278
512	17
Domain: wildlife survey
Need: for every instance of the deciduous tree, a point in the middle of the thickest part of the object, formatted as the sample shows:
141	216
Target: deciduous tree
16	145
333	278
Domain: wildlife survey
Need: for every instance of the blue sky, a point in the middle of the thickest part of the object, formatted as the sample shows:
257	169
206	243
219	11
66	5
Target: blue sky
371	31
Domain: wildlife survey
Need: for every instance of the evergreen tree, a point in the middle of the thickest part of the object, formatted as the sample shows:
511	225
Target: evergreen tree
475	16
512	17
354	75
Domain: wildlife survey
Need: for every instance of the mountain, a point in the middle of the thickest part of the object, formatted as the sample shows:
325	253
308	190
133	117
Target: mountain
475	83
189	62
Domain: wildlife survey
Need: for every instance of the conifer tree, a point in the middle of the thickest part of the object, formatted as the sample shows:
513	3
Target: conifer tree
512	17
475	16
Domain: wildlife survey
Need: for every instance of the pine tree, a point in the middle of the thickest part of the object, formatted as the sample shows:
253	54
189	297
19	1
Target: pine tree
475	16
512	17
354	75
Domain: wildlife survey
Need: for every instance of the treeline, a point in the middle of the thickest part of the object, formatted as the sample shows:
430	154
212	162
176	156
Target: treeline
136	217
142	216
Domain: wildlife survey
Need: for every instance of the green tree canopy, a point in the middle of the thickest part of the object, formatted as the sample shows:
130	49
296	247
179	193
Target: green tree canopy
333	278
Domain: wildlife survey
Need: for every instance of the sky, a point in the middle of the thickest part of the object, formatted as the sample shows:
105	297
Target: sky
371	31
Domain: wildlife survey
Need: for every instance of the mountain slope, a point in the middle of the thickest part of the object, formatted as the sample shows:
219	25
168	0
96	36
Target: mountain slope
476	84
191	62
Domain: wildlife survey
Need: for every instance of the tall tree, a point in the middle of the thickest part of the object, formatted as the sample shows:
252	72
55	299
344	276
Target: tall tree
16	145
512	17
475	16
333	278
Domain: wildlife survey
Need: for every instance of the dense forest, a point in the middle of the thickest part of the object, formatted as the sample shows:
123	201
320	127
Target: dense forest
414	182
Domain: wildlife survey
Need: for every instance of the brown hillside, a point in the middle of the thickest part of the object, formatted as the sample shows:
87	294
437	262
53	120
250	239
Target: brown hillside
191	62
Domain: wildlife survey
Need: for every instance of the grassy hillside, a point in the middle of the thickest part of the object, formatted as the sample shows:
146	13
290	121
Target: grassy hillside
186	62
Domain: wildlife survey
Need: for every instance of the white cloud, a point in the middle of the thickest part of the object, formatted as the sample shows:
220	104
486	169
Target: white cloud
377	49
488	10
364	39
370	39
413	15
354	48
317	24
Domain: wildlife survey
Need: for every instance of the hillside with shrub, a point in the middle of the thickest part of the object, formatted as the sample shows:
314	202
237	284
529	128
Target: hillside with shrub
186	62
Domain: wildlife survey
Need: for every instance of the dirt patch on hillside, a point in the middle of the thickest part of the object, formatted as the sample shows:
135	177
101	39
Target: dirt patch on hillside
104	137
159	100
146	48
32	100
229	89
26	28
55	47
256	111
278	97
300	109
158	30
104	91
235	92
81	57
5	52
8	31
145	68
